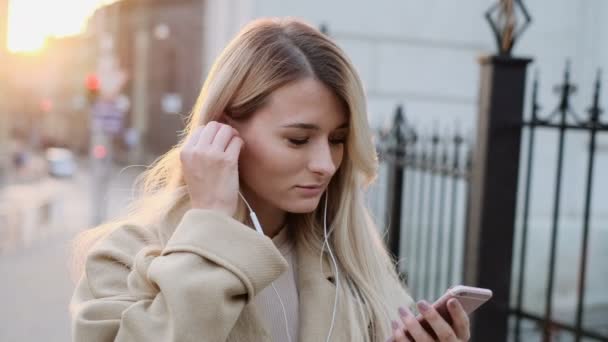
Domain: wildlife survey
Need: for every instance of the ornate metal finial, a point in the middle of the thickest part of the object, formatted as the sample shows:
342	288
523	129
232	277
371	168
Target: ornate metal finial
595	111
398	130
565	89
503	20
535	105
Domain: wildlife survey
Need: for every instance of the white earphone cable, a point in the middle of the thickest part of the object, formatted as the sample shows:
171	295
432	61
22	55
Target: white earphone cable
258	228
284	312
333	259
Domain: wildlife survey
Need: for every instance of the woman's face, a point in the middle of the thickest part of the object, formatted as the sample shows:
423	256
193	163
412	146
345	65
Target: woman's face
293	146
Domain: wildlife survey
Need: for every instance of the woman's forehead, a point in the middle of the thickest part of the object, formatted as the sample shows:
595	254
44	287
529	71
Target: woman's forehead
306	101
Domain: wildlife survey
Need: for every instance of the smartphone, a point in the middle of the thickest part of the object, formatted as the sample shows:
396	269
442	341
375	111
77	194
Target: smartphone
469	297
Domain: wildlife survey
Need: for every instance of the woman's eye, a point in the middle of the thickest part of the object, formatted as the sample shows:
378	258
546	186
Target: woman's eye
298	141
333	141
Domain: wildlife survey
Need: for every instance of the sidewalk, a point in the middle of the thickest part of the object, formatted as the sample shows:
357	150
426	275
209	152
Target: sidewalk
37	208
37	284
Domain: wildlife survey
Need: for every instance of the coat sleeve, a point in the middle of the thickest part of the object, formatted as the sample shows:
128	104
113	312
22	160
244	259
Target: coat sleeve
193	289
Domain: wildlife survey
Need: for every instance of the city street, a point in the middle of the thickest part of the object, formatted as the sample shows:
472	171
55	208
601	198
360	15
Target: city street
36	286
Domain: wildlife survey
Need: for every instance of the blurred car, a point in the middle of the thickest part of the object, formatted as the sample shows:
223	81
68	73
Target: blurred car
60	162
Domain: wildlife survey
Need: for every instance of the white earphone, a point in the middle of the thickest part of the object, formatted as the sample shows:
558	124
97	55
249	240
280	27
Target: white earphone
258	228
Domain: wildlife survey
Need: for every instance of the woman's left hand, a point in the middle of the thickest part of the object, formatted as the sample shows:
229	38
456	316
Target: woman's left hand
410	330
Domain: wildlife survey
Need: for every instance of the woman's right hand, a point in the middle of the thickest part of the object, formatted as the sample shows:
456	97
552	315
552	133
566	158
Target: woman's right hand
210	167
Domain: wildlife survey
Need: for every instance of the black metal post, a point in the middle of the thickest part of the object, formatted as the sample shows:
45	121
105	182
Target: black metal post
526	209
421	263
562	113
431	231
458	141
440	263
395	153
410	230
595	111
494	180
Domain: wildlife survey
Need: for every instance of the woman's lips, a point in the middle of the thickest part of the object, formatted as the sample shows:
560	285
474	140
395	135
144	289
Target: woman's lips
311	191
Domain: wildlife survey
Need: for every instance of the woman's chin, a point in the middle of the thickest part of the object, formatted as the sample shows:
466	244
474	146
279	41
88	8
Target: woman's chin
303	206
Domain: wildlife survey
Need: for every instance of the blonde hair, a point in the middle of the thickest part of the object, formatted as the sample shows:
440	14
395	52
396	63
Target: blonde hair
265	55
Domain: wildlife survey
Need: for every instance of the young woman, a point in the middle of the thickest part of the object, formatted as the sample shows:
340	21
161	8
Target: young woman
279	130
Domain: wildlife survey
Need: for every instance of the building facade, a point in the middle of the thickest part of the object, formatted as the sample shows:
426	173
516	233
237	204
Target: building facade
158	44
4	130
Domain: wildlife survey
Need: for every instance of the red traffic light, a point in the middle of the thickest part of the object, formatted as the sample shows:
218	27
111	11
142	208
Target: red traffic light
92	82
92	85
100	151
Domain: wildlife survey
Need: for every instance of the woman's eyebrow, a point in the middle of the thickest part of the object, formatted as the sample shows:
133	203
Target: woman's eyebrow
311	126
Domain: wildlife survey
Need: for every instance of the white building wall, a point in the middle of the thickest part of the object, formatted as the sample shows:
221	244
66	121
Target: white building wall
223	20
424	53
404	50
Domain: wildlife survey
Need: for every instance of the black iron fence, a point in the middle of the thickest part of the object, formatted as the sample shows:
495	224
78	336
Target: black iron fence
428	177
563	121
451	211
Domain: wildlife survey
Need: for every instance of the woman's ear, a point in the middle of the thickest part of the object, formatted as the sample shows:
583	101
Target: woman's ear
225	119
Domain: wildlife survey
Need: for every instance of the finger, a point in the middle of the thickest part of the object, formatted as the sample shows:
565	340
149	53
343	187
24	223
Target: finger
441	328
226	120
460	319
208	133
194	137
222	138
398	333
234	147
413	327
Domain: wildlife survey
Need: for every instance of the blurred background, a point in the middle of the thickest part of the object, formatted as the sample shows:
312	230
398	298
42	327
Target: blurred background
92	91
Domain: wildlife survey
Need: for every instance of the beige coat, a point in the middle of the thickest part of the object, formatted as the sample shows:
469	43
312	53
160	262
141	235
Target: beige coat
197	288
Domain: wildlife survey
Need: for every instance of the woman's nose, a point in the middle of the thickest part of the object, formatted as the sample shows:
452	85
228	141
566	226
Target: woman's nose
321	161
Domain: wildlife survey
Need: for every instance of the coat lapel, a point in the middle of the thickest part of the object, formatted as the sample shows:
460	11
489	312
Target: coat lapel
316	294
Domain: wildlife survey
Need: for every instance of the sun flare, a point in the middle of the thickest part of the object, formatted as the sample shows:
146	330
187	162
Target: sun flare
31	22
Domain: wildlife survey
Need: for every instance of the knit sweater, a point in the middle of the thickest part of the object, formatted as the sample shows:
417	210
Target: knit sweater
268	302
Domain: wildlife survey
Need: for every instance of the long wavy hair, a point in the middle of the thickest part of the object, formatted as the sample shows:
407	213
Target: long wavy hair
265	55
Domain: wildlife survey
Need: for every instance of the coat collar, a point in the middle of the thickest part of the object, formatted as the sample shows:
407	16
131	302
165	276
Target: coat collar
317	295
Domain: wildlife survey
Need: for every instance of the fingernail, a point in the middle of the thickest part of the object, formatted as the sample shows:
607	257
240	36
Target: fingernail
452	303
403	312
423	306
394	324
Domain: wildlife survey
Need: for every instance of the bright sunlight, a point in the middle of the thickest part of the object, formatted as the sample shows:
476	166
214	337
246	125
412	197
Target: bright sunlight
31	22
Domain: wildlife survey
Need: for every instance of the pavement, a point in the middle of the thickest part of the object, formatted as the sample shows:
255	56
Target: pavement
41	217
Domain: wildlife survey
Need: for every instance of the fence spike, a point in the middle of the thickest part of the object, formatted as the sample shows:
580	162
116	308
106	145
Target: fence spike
397	133
535	105
566	89
595	111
